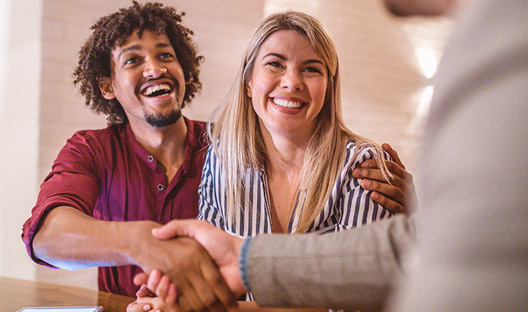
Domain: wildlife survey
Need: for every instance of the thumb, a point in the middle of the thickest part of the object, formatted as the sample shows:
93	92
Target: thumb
171	230
143	291
393	154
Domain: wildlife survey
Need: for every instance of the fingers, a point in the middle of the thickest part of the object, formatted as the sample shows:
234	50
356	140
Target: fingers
173	229
394	168
393	154
374	175
140	279
218	285
143	291
198	280
393	206
389	196
163	287
154	279
172	295
139	305
210	292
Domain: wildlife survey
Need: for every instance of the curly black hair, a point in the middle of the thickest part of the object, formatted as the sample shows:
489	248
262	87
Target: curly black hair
113	30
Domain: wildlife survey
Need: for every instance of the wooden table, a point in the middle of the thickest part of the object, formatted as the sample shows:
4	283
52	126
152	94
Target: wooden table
16	294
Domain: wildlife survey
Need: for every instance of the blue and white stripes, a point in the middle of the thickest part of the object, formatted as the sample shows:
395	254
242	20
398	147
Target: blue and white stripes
349	205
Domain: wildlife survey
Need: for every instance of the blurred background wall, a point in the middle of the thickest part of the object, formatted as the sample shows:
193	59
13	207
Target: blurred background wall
386	64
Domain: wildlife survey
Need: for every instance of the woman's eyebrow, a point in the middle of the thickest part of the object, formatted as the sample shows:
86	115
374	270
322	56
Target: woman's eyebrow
282	57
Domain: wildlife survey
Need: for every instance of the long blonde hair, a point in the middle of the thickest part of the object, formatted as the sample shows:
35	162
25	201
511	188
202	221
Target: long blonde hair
237	138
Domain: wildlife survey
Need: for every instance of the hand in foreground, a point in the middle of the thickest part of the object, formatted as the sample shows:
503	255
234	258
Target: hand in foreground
146	301
222	247
186	263
400	195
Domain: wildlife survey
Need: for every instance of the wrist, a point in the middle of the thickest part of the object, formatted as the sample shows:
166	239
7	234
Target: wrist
243	255
136	241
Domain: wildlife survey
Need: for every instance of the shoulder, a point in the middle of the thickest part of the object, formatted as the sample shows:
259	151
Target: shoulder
197	134
197	126
94	137
357	153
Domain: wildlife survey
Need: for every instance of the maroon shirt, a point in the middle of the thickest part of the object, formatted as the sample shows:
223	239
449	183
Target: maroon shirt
108	175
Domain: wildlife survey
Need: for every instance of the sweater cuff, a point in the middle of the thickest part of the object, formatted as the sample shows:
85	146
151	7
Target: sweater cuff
243	261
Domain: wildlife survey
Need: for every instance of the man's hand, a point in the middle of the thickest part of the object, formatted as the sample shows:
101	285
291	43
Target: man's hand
223	248
400	195
200	285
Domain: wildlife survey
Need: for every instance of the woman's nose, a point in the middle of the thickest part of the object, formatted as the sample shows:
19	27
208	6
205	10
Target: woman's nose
293	80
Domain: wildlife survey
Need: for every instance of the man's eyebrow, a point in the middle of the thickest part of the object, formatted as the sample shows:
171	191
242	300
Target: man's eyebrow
163	45
128	49
282	57
139	47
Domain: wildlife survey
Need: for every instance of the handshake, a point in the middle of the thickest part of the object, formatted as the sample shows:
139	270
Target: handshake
202	275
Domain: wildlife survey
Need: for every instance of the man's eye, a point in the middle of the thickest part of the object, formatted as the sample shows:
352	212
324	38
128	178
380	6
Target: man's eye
166	56
131	60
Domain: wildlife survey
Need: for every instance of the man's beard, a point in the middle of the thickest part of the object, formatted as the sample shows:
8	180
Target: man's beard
159	120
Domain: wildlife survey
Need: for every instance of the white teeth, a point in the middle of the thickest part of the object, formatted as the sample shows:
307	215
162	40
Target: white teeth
286	103
155	88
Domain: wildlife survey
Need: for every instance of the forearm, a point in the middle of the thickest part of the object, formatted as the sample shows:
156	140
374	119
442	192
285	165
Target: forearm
354	269
70	239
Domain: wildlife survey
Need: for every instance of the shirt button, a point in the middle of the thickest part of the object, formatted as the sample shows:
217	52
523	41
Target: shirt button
150	158
160	187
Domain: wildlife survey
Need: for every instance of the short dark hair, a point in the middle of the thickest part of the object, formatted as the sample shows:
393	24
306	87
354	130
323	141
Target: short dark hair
113	30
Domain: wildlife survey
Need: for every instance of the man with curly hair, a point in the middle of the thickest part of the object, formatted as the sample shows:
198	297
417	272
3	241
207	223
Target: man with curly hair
140	68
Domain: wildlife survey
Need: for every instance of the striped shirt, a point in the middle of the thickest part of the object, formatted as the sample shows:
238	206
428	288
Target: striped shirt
348	206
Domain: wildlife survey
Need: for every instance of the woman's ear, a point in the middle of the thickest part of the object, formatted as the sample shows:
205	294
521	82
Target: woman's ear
248	89
105	85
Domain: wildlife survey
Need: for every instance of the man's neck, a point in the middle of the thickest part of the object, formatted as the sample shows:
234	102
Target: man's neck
166	144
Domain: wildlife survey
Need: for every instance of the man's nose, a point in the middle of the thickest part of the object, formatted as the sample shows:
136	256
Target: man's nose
153	69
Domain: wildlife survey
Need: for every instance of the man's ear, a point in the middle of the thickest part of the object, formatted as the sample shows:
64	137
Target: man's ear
105	85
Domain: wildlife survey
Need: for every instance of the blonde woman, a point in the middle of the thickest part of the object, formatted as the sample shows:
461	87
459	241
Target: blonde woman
281	158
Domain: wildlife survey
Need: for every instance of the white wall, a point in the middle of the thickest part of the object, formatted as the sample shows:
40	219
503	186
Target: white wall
19	128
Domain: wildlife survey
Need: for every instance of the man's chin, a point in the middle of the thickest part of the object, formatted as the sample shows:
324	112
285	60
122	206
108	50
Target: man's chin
163	120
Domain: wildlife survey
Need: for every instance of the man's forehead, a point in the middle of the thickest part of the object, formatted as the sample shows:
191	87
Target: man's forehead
138	42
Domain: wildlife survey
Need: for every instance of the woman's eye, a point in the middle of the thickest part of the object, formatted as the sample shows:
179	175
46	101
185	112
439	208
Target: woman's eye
312	70
274	64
